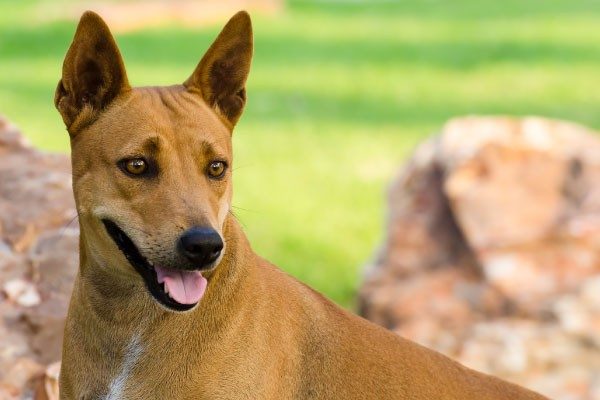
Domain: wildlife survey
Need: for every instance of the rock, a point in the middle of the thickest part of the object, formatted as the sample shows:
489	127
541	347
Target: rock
492	253
46	387
21	375
29	179
8	391
524	195
590	295
10	137
51	381
38	260
21	292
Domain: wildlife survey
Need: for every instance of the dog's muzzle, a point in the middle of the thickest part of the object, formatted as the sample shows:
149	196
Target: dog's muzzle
177	288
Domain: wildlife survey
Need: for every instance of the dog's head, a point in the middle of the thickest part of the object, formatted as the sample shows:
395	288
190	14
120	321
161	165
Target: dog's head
152	166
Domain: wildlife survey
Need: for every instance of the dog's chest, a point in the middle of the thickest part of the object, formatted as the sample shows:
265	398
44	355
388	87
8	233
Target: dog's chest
118	384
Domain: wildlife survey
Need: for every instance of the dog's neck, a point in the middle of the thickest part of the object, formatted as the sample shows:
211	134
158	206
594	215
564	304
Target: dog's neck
114	308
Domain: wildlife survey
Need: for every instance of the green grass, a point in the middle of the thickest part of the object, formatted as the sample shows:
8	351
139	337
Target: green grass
340	92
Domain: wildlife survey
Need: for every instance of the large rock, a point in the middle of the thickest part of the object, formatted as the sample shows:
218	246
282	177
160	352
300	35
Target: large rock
38	260
492	253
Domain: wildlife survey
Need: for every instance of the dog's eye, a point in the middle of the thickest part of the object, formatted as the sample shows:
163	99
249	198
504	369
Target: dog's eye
135	166
216	169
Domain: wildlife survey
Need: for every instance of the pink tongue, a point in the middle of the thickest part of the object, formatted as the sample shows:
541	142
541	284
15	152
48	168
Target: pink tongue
185	287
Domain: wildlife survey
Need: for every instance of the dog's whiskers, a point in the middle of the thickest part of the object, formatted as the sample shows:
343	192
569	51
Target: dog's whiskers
241	166
64	228
236	218
245	209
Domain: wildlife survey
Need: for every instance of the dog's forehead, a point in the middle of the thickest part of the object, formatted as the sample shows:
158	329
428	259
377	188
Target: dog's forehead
175	109
171	113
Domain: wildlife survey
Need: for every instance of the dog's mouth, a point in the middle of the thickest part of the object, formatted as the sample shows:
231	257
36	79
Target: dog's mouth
175	289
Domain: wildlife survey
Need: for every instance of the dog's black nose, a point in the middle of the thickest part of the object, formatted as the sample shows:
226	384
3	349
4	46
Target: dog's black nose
201	246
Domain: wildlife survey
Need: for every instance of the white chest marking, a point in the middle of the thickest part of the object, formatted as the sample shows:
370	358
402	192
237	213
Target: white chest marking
118	384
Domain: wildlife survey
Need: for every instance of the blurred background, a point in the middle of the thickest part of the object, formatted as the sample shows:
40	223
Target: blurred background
340	94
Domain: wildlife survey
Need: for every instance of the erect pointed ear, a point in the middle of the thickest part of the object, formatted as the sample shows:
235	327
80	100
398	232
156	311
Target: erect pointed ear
93	74
220	77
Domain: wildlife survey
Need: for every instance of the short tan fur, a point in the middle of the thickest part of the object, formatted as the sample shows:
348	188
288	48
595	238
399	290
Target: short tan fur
256	333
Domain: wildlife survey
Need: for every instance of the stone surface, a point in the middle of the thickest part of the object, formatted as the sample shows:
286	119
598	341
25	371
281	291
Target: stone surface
492	253
22	293
38	262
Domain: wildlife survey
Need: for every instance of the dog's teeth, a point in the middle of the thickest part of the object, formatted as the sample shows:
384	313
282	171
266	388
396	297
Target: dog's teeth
151	263
166	289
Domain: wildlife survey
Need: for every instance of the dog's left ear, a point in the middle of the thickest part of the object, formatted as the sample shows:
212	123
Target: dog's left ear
220	77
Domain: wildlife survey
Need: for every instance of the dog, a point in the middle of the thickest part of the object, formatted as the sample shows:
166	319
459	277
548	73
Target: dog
170	301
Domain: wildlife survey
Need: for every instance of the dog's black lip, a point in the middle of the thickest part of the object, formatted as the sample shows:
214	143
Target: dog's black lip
141	265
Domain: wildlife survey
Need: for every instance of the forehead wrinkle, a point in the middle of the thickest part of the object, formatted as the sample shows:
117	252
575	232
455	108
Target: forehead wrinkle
170	100
158	104
184	118
157	113
149	145
209	148
152	144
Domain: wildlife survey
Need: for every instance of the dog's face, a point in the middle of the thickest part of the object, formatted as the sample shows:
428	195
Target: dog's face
152	166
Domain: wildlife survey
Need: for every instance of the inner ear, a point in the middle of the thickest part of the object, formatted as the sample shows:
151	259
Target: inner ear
93	73
221	75
91	77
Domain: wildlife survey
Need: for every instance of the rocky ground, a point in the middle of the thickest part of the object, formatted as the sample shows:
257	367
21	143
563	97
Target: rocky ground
38	263
492	253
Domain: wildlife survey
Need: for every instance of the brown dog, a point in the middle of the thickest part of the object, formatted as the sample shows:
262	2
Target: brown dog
170	301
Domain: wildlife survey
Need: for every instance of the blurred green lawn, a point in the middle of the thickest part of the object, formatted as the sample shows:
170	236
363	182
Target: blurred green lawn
340	92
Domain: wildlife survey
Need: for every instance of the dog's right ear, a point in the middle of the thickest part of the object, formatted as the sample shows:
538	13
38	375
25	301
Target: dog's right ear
93	74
